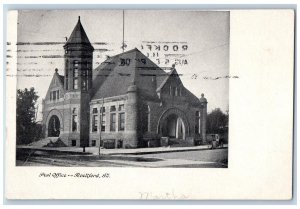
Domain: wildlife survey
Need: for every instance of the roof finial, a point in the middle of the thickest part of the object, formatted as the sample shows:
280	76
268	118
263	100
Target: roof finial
56	70
173	65
78	18
202	95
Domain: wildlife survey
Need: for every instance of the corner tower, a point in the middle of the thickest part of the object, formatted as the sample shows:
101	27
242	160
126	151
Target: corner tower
78	85
78	61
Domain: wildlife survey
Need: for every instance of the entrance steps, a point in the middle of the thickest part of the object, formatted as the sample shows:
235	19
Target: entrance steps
48	142
173	142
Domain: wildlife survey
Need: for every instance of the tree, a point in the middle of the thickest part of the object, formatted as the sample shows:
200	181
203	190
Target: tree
217	121
27	128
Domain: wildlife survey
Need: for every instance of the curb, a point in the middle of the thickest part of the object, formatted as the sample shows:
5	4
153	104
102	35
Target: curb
121	153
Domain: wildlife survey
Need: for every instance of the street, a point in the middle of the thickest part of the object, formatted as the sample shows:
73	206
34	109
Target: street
194	159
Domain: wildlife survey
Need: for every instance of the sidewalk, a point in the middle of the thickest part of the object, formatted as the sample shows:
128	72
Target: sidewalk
137	151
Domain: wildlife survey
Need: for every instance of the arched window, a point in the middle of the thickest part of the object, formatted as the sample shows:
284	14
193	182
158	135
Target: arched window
197	125
147	118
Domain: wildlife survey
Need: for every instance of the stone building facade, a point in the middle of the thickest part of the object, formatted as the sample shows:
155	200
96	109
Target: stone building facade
128	101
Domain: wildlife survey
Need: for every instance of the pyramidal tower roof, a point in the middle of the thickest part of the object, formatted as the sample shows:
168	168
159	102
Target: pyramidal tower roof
78	36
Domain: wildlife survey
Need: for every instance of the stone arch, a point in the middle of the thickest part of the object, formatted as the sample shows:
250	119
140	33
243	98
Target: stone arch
56	113
173	114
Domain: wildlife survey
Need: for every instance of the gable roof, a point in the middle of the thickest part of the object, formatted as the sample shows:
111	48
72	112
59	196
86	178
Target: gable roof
114	76
166	78
59	84
78	36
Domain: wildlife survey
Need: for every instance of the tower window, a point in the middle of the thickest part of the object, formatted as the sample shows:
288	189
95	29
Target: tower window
76	63
75	79
75	72
84	84
75	83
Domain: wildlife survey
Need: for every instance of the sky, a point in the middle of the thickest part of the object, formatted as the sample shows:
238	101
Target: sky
196	41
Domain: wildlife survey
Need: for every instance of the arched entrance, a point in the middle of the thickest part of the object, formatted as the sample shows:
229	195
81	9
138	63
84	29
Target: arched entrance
53	126
174	127
173	124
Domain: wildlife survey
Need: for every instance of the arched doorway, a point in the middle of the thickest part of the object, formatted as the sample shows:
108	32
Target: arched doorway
173	124
174	127
53	126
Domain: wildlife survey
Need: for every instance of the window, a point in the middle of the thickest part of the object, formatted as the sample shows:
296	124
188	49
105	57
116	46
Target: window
147	120
170	92
103	118
76	63
176	91
113	122
74	120
74	110
121	121
74	123
103	122
113	108
95	120
75	83
73	143
83	86
93	143
197	125
121	107
173	91
95	123
75	72
95	110
54	95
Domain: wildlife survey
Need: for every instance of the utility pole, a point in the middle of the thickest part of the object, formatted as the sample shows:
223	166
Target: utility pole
123	44
100	127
